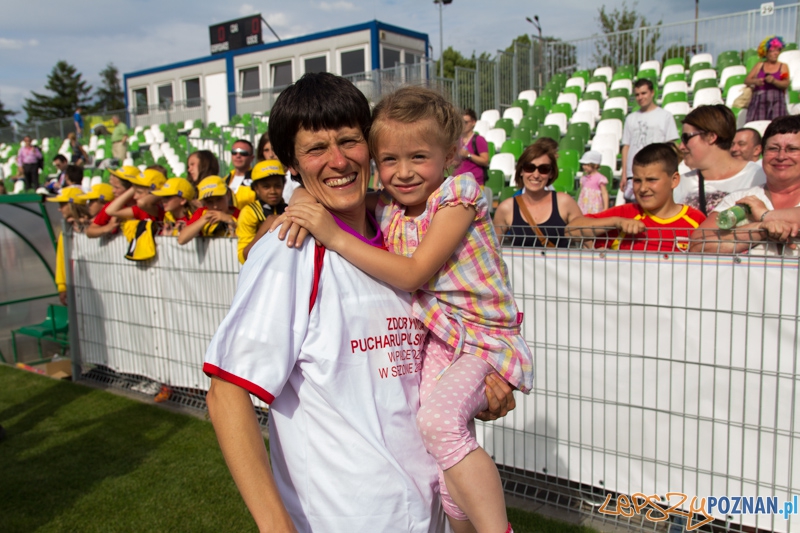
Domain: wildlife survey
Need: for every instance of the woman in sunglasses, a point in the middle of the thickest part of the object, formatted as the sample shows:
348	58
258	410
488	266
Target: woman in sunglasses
536	217
708	134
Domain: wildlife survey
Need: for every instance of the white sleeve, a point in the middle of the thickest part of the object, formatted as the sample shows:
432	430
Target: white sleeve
258	343
626	132
671	131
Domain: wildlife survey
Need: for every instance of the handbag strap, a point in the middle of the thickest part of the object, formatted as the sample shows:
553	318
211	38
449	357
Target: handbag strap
701	184
529	219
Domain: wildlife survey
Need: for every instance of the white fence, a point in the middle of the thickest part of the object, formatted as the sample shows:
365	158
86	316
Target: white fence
655	372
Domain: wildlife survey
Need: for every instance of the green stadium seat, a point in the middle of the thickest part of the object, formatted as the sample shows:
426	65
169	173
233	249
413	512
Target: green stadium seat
523	134
562	108
680	76
582	74
628	69
621	76
750	52
674	97
620	91
507	193
790	46
705	84
679	122
794	97
675	61
580	129
606	171
574	89
593	95
565	182
613	113
569	158
544	101
505	123
524	104
496	181
529	122
733	80
572	142
698	66
647	73
595	79
729	55
537	111
491	148
550	130
512	146
751	62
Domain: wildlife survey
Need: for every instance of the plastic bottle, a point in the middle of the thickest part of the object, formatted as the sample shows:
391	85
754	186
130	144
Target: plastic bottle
733	215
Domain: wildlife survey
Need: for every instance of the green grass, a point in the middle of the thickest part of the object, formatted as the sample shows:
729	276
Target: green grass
80	459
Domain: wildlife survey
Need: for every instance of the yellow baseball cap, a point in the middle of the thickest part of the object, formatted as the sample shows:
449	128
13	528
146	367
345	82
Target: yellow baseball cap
70	195
267	168
211	186
127	173
150	178
176	187
100	191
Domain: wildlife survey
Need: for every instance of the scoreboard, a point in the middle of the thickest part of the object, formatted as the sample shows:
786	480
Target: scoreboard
235	34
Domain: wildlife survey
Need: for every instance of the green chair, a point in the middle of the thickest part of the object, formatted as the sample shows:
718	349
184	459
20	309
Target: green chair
733	80
582	74
620	91
550	130
562	108
674	97
679	122
571	142
524	104
601	79
613	113
529	122
496	181
492	149
705	84
698	66
791	46
675	61
574	89
523	134
537	111
794	97
751	62
621	76
750	52
648	73
606	171
512	146
565	182
680	76
55	328
569	159
593	95
505	123
544	101
626	69
507	193
580	129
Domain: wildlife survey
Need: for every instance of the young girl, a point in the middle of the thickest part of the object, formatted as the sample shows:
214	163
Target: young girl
176	197
593	197
146	206
73	209
217	217
103	223
450	258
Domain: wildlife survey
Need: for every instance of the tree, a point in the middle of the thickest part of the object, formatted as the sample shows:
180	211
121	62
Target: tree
452	59
109	95
623	45
70	91
5	115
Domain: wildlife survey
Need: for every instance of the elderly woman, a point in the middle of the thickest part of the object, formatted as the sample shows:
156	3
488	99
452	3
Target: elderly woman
769	80
330	348
708	132
773	214
536	217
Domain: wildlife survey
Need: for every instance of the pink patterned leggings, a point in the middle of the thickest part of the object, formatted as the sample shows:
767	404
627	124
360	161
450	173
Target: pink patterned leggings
448	408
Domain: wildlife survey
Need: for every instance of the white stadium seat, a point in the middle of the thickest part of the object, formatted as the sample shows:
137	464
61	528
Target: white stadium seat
515	114
558	119
583	116
727	72
670	70
707	74
599	86
593	106
568	98
576	82
605	141
675	87
497	136
86	184
529	96
609	159
701	58
96	180
491	116
606	72
758	125
733	93
707	96
481	127
610	126
19	187
789	56
678	108
622	84
504	163
617	103
651	65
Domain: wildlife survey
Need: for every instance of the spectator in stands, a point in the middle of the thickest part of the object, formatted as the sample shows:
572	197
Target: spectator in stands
75	213
217	217
769	80
55	184
200	165
593	197
239	179
472	150
97	199
655	222
747	145
292	345
119	140
774	217
650	124
29	159
269	179
176	197
78	154
146	206
708	132
103	223
77	119
264	151
536	217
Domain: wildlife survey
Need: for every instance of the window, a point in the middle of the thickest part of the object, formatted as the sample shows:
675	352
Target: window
413	58
391	58
249	82
140	101
191	91
165	96
281	73
316	64
353	62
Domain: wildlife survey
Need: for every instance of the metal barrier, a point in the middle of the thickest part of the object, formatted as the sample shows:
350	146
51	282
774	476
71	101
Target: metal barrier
166	112
655	373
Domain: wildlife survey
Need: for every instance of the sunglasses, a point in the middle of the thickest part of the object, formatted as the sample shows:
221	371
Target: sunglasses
544	169
686	136
241	152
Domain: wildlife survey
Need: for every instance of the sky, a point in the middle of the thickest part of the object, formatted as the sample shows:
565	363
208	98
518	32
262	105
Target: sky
139	34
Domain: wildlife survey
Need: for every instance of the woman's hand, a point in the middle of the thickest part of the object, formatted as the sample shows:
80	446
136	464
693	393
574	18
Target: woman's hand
756	206
500	396
781	231
769	78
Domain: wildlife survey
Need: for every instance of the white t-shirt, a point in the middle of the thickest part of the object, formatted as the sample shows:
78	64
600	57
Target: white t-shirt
345	450
769	248
688	190
641	129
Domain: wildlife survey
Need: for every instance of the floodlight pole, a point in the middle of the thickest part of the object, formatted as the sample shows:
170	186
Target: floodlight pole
441	35
538	26
696	16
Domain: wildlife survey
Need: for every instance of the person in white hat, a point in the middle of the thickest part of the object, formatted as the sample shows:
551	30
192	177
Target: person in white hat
593	197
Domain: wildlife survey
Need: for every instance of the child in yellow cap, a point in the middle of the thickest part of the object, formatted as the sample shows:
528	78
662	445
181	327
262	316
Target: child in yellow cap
103	223
73	209
147	205
268	181
176	197
96	199
217	217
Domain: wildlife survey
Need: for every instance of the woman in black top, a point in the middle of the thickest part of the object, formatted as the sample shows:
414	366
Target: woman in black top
551	211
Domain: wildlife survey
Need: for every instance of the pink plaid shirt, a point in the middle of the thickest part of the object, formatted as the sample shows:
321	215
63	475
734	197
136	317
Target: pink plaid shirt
468	303
28	155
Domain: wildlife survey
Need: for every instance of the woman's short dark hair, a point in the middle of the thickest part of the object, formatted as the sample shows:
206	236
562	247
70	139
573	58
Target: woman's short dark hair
664	153
534	151
717	119
781	126
207	164
471	114
262	142
317	101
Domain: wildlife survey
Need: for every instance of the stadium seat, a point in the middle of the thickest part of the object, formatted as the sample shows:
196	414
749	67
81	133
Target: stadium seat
586	117
512	146
620	76
678	107
609	174
613	113
95	180
508	192
758	125
557	119
727	72
562	108
571	142
649	73
568	98
791	46
605	141
580	129
626	84
751	62
680	76
523	134
528	95
707	96
728	55
532	123
700	58
789	56
481	127
617	103
705	83
706	74
582	74
592	106
538	112
515	114
597	86
496	136
570	158
506	124
674	97
490	116
619	93
733	93
565	182
545	101
675	87
577	91
674	61
495	180
731	81
504	163
610	125
576	82
605	72
651	65
19	187
522	104
593	95
552	131
697	67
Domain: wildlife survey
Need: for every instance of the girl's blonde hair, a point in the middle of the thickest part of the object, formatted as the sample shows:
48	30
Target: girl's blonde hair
410	105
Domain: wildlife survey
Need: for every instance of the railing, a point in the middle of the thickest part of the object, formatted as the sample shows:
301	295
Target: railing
654	372
166	112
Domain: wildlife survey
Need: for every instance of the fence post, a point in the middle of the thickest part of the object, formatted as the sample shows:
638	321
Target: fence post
72	310
514	74
497	85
